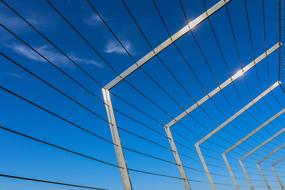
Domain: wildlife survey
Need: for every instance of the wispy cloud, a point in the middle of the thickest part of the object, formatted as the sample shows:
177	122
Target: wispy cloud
17	23
26	52
15	75
86	61
11	22
114	47
93	20
52	55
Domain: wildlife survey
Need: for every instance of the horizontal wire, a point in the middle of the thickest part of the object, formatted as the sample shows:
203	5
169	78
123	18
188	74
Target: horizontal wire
227	68
126	115
84	107
91	133
140	29
105	59
108	26
211	28
183	10
80	186
83	155
61	51
82	128
49	182
75	29
55	65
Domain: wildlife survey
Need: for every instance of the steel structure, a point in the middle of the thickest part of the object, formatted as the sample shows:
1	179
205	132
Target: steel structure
106	91
273	167
224	154
258	164
111	116
108	103
224	124
206	98
253	151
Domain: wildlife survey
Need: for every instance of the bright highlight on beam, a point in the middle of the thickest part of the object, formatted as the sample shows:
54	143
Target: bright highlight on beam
223	125
223	85
240	73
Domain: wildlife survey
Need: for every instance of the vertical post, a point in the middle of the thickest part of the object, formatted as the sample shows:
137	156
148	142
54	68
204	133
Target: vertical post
117	141
277	177
263	176
230	171
223	125
224	155
248	179
275	172
261	145
177	158
258	164
211	181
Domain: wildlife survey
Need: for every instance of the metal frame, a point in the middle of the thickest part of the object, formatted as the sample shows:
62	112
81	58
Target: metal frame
276	173
258	164
224	124
254	150
109	108
117	141
227	82
108	103
224	154
190	26
224	84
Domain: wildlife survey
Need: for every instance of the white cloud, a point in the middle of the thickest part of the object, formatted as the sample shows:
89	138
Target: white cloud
11	22
15	75
17	23
85	61
93	20
115	47
53	56
26	52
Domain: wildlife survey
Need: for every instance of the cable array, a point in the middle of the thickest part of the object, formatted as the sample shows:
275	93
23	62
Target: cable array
155	131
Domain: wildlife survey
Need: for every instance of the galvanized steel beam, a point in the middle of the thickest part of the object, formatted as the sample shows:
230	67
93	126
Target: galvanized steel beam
276	173
254	150
224	124
258	164
224	154
117	141
224	84
192	24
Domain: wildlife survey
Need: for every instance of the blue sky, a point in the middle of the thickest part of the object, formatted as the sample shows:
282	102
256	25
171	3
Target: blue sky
23	157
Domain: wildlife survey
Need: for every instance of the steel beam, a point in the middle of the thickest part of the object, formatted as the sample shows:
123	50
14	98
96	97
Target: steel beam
278	161
207	97
224	154
248	179
254	150
258	164
192	24
278	178
109	109
230	171
115	135
276	173
224	124
224	84
263	177
177	158
117	141
271	153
